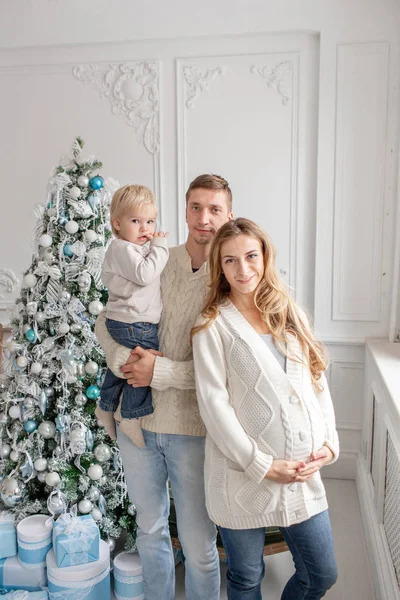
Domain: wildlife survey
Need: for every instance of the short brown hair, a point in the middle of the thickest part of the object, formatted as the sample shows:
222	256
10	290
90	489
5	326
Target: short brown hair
210	181
128	197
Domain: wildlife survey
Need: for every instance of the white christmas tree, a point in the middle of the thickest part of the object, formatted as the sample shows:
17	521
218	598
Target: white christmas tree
53	452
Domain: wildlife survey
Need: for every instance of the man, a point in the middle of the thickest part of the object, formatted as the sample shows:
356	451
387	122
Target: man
174	433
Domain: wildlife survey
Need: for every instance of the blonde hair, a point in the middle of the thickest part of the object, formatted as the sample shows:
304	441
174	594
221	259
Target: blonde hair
209	181
128	197
282	315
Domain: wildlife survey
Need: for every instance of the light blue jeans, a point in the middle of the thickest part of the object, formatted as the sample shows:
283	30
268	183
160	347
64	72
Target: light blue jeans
311	545
179	458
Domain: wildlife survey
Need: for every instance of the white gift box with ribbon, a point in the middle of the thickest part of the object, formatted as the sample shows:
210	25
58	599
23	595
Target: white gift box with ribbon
34	540
128	577
90	581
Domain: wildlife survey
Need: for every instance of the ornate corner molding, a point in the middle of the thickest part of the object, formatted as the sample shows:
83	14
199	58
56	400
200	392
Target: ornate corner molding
8	282
198	81
132	90
278	78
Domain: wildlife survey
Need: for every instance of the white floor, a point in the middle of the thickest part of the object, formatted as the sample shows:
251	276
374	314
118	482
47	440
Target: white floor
354	578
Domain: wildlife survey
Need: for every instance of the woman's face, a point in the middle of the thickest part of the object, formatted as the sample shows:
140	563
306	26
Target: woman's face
242	263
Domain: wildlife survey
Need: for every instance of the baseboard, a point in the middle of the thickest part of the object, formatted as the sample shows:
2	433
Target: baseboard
383	574
344	467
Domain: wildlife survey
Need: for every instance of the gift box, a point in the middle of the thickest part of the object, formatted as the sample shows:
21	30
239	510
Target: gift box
128	577
8	535
34	540
76	540
13	576
24	595
80	582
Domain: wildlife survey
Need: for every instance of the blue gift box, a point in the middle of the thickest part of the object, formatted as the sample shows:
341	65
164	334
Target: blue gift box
13	576
8	535
34	540
128	577
76	540
24	595
80	582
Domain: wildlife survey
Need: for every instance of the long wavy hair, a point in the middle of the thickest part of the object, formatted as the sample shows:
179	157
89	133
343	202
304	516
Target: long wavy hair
282	315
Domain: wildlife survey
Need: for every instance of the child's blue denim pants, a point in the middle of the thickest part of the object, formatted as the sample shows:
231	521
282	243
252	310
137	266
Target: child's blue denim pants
136	402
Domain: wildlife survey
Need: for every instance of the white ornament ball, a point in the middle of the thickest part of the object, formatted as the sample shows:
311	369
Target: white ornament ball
52	479
83	181
47	430
74	192
29	280
5	451
12	346
90	236
63	329
95	472
36	367
45	373
3	418
85	506
22	361
91	367
14	411
51	212
96	514
40	465
40	317
102	452
26	327
95	307
42	476
80	399
14	456
45	240
103	480
76	328
71	227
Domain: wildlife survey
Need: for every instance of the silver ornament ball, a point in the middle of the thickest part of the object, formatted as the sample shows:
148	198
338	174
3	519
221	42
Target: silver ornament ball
94	493
102	452
5	450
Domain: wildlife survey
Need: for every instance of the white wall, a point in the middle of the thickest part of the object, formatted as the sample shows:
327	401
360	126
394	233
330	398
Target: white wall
345	99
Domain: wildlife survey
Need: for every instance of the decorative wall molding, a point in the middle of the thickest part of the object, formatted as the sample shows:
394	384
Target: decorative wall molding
278	78
197	81
132	90
359	187
8	282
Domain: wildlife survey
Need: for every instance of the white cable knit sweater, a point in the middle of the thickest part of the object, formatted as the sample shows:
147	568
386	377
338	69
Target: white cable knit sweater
173	385
255	412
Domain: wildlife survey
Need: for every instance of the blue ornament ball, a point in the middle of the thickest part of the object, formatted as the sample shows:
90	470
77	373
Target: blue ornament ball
96	182
68	251
30	336
30	425
92	392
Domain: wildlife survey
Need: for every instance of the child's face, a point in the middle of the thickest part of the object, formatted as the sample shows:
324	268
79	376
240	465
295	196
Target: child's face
136	225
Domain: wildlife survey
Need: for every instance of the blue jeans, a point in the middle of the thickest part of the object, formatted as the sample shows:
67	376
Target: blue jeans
311	545
136	402
179	458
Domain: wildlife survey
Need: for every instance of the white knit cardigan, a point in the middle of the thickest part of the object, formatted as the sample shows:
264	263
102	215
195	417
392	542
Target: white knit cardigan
254	412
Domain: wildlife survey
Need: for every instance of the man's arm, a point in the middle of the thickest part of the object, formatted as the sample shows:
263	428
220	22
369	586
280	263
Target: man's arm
116	355
159	372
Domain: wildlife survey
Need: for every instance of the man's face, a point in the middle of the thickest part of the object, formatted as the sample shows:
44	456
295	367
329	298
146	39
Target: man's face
206	212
